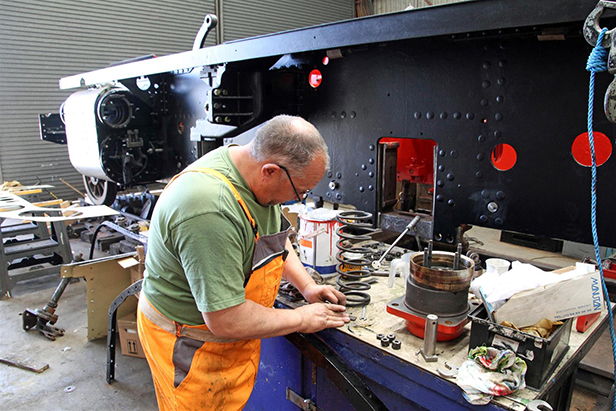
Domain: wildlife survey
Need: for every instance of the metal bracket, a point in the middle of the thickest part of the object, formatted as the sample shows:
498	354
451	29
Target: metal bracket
303	403
209	22
112	326
592	27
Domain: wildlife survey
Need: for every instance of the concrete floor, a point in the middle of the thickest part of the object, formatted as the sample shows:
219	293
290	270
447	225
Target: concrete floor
73	360
76	362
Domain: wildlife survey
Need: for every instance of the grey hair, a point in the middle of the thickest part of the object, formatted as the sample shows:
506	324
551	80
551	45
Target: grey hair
290	141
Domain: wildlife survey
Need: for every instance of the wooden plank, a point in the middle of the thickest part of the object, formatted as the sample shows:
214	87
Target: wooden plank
48	203
24	363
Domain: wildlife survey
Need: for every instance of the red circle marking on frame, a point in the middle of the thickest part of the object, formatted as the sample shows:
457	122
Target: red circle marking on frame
504	157
581	149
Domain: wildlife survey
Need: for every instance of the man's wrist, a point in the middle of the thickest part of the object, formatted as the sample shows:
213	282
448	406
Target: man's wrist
306	285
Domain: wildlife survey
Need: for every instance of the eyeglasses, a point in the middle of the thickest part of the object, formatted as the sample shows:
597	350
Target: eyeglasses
299	198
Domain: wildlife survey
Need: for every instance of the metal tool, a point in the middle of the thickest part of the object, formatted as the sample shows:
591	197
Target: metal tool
447	370
363	314
429	348
539	405
377	264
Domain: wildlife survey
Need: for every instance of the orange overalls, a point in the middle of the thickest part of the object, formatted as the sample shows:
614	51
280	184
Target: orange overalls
192	368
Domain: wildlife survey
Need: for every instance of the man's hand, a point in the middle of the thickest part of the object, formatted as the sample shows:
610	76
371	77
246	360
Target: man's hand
314	293
318	316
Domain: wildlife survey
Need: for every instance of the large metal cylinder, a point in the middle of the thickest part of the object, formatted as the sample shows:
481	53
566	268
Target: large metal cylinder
441	275
441	303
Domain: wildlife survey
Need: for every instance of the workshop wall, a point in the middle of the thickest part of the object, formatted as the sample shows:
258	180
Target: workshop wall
388	6
242	19
40	42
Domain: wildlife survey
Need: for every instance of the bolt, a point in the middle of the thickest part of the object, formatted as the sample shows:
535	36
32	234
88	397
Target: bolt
396	344
492	207
385	342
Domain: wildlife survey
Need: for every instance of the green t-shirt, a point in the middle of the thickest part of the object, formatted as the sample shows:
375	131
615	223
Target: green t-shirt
201	244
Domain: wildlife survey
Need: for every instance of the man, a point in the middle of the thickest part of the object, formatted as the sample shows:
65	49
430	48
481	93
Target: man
217	250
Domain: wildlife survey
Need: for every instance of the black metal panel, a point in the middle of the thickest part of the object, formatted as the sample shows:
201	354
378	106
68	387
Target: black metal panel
477	17
469	96
469	76
51	128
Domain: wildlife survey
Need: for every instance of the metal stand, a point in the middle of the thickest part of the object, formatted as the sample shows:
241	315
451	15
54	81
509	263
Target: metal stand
45	246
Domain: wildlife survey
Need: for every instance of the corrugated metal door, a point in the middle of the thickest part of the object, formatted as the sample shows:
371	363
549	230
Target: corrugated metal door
42	41
245	19
388	6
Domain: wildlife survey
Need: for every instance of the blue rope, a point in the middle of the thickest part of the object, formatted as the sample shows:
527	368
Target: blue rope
597	62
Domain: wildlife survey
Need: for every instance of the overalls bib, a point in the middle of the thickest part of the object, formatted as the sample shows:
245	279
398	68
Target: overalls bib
192	368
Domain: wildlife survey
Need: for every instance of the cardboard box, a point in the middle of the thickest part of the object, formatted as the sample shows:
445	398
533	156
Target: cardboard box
129	338
136	265
566	299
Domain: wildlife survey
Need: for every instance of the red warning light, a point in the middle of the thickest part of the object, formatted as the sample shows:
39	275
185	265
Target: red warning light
325	61
314	78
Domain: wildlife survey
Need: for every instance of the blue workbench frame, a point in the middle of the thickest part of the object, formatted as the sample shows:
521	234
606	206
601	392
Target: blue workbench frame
399	384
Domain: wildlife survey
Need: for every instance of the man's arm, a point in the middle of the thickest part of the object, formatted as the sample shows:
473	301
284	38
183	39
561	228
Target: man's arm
250	320
295	273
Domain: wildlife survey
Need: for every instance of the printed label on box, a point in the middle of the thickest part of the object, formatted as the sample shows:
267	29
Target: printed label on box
132	346
506	342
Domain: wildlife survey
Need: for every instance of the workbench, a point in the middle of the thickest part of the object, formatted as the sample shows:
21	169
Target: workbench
401	379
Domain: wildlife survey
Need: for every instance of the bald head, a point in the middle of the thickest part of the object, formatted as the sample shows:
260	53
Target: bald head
290	141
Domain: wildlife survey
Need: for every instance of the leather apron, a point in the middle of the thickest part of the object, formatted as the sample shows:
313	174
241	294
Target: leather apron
191	367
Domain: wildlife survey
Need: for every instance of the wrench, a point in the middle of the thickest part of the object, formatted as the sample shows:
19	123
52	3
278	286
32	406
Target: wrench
448	370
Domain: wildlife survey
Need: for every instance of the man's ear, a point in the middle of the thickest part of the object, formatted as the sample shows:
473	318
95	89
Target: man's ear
269	170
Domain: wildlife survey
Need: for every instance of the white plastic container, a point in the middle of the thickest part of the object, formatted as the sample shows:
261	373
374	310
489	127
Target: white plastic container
497	265
317	229
400	266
